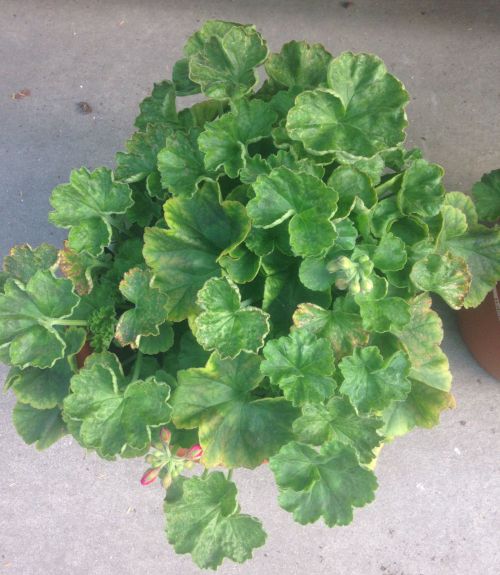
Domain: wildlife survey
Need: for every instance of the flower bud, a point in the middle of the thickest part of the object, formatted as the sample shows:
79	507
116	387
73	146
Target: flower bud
194	452
341	283
366	284
150	475
165	435
355	287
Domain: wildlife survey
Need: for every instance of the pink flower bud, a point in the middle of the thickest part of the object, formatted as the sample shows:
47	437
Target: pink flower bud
150	475
194	452
165	435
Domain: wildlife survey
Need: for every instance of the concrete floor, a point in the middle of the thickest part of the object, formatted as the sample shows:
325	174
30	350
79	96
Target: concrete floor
64	512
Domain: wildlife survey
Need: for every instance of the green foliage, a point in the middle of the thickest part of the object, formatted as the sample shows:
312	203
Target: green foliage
283	296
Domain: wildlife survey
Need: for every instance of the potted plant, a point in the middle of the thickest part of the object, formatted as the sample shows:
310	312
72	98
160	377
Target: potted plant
480	326
252	284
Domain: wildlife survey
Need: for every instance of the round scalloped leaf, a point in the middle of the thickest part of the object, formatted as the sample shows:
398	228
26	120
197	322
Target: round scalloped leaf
304	198
79	267
225	141
185	256
301	365
159	108
480	248
372	383
204	519
153	344
181	165
338	421
236	428
210	28
385	314
224	66
486	195
422	337
46	388
241	265
139	161
111	418
421	191
23	261
283	292
421	408
464	203
149	311
28	316
184	86
446	275
362	112
299	65
328	483
85	206
224	324
43	427
351	184
341	326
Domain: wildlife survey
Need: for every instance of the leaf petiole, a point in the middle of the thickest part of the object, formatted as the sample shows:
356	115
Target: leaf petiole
76	322
137	366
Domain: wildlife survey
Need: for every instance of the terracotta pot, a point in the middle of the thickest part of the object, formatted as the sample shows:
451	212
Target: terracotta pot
480	329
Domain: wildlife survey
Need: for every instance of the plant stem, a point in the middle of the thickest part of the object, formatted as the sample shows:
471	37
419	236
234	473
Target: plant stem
205	473
230	474
78	322
137	366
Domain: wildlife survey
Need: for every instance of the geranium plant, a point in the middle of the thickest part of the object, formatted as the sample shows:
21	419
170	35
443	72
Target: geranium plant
250	284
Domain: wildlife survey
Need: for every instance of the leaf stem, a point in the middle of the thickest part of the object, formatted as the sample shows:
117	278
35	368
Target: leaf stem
137	366
230	474
78	322
205	473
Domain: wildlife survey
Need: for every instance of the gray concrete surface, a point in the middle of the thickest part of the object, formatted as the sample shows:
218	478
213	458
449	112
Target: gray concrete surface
64	512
